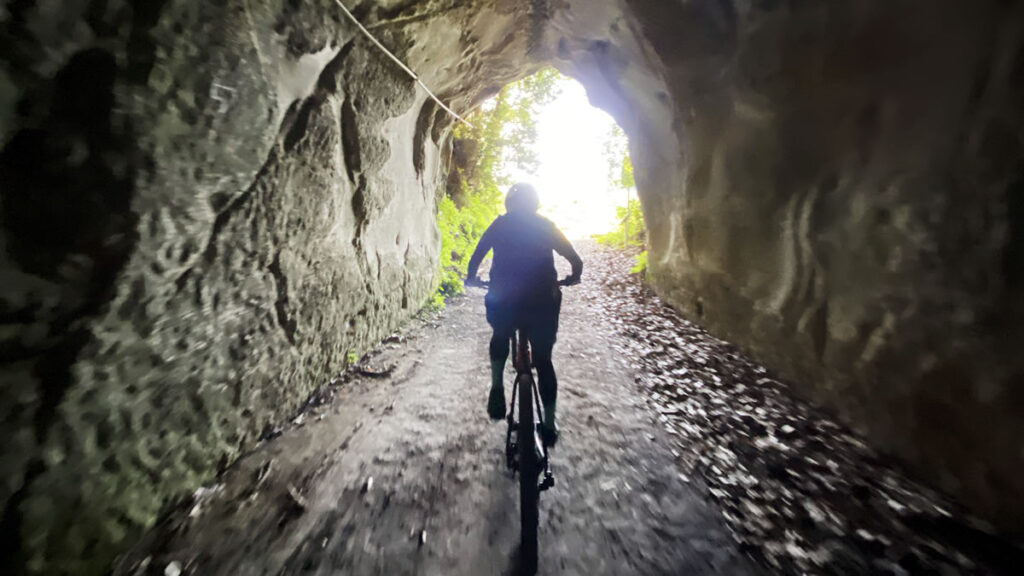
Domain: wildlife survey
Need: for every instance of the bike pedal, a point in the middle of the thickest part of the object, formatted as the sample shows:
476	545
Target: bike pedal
511	460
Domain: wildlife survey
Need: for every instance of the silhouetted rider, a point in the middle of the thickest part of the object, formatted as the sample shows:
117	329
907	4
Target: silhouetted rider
524	292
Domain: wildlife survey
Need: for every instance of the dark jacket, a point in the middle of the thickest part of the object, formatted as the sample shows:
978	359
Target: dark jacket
524	266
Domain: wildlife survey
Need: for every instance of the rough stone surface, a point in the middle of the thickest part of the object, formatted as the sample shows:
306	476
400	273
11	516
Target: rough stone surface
205	207
837	188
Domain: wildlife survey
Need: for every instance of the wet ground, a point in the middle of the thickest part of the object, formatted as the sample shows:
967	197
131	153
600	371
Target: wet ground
678	455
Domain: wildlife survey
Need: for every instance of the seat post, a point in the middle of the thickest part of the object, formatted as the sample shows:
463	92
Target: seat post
522	350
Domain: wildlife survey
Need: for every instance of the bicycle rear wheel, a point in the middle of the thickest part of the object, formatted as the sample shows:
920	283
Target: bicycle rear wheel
528	474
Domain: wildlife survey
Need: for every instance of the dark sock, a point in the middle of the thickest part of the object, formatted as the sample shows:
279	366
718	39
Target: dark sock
497	373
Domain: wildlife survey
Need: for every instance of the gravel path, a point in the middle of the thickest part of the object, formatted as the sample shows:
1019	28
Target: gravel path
399	471
678	455
801	493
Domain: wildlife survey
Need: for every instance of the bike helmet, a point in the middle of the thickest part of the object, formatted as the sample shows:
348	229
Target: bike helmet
522	198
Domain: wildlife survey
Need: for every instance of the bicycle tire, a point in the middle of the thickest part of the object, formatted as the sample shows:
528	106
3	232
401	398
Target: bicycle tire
528	472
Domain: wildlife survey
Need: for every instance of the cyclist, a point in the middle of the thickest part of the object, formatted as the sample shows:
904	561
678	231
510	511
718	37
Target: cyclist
524	292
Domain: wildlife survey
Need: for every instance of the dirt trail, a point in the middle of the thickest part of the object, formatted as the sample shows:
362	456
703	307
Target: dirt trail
402	473
678	455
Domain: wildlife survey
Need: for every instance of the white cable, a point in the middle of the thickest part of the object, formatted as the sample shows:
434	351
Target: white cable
408	71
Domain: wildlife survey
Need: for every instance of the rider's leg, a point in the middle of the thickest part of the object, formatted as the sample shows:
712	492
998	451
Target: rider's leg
496	407
548	384
499	355
547	381
545	330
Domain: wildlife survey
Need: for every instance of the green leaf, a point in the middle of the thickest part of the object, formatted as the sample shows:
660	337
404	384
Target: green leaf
641	263
629	230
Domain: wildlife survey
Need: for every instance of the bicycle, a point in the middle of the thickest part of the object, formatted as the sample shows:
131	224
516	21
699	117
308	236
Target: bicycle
525	452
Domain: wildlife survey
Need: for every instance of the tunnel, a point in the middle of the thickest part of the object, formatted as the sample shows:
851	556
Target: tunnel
207	208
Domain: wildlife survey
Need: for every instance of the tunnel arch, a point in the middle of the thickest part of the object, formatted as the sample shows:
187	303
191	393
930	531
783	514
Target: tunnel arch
827	186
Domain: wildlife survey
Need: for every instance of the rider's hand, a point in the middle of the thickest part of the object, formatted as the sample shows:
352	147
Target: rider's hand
572	280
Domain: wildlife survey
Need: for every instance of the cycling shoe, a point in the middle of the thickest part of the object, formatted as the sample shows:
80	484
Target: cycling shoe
549	435
496	403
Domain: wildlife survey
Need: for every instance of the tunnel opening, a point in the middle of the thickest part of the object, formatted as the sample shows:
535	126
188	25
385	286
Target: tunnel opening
543	131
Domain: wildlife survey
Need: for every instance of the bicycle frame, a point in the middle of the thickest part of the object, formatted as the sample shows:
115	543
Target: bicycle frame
524	373
525	452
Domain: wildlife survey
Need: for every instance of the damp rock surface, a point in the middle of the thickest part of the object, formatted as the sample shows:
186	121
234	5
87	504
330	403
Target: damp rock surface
207	209
839	196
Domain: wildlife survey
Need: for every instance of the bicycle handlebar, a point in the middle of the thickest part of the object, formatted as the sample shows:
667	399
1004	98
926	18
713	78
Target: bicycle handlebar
486	283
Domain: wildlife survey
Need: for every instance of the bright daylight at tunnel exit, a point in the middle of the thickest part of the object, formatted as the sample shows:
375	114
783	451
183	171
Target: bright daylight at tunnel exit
580	153
492	287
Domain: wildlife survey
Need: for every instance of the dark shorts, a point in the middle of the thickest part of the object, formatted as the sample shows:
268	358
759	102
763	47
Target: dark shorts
539	316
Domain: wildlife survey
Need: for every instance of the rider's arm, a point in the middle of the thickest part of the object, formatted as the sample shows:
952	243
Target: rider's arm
482	248
565	249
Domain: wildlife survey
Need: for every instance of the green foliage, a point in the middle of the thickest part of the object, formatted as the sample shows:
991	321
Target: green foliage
460	230
630	230
620	165
523	100
436	302
505	132
641	263
626	181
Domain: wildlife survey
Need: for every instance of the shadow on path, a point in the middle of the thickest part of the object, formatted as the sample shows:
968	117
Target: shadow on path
397	470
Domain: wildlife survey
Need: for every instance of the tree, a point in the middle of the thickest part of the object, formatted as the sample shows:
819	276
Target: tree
620	166
630	229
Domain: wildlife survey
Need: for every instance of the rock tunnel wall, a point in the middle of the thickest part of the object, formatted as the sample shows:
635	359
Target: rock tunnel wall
841	196
206	206
837	188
